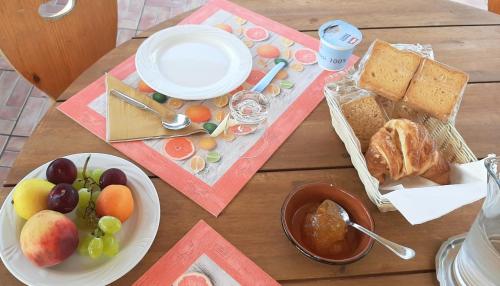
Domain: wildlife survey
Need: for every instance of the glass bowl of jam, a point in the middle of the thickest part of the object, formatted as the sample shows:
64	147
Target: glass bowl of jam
312	223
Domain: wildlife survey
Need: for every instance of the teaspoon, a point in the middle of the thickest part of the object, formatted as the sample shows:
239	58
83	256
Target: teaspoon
401	251
171	120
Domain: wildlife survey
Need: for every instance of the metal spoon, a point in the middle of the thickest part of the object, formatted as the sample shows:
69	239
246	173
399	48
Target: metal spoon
401	251
170	120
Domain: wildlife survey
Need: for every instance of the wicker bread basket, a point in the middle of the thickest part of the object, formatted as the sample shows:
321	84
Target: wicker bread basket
446	136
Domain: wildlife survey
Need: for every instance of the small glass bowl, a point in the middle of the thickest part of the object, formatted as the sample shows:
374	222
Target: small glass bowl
249	107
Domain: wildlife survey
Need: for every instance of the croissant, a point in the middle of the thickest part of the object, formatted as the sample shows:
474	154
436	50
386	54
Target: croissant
404	148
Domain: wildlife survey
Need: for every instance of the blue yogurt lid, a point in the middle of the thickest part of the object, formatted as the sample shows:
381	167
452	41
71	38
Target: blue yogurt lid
340	34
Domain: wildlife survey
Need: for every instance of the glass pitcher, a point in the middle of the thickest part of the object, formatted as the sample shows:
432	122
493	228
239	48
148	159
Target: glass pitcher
474	258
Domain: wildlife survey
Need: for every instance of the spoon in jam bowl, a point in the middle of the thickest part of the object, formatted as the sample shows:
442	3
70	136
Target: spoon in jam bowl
401	251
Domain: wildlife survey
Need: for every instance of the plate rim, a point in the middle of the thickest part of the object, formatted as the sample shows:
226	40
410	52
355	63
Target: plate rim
107	277
141	54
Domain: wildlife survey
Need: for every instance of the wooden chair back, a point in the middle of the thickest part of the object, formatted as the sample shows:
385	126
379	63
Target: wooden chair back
494	6
52	53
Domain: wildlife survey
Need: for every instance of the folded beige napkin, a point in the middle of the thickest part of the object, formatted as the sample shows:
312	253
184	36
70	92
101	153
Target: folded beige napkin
125	122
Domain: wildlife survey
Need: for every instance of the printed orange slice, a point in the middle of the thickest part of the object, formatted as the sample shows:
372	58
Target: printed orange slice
221	101
286	54
242	129
179	148
268	51
219	116
255	76
287	42
198	113
248	43
228	136
298	67
306	56
257	34
197	164
193	279
262	63
272	90
143	87
207	143
238	89
175	103
282	74
225	27
240	21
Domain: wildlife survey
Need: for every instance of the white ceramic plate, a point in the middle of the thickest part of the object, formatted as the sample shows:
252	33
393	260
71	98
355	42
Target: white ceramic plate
193	62
135	237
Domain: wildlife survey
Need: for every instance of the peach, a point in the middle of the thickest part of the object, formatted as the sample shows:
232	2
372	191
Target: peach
48	238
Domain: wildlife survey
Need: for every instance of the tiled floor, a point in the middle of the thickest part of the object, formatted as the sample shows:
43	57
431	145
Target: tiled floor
22	106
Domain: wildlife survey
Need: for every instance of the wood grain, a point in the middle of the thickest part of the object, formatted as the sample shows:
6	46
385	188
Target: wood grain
314	144
104	64
494	6
6	278
252	223
419	279
310	14
51	54
472	49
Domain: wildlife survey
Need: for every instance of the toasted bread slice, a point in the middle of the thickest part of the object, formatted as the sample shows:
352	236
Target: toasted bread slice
388	71
436	89
365	117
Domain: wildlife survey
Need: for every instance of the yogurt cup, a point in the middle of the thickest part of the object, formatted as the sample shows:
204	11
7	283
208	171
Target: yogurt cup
337	42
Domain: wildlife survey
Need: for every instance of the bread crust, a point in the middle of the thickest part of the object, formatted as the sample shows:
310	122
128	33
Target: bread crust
405	148
436	89
388	71
365	117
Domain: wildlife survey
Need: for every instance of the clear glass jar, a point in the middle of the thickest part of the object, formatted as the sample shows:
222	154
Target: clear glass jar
474	258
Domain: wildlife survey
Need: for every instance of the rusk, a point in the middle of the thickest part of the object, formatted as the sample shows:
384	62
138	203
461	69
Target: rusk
436	89
388	71
365	117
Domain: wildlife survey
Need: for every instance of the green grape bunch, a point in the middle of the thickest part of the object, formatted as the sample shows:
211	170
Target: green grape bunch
89	190
100	239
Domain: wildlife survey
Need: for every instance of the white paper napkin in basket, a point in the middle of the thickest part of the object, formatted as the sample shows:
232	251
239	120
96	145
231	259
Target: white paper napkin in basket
430	201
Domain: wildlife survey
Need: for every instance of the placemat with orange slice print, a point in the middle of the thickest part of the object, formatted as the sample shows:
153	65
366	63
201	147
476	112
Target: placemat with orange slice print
203	251
209	172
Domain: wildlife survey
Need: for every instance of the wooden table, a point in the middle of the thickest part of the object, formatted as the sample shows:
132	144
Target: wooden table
461	36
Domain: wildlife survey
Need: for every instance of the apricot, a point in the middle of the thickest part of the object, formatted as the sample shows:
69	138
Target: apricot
117	201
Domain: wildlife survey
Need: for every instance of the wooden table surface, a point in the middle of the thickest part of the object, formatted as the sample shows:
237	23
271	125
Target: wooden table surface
461	36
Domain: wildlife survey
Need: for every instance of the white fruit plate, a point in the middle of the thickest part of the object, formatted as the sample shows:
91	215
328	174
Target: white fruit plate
135	237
